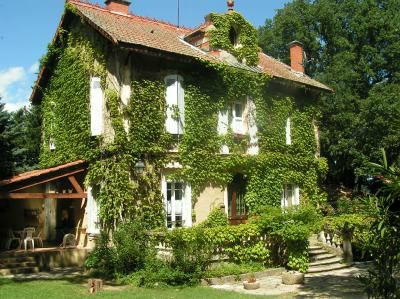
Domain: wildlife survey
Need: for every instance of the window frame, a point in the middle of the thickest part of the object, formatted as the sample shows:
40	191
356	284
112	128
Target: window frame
294	200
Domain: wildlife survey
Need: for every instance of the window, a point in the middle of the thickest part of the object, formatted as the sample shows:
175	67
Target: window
237	118
233	36
52	144
175	101
290	196
96	107
288	132
252	126
178	204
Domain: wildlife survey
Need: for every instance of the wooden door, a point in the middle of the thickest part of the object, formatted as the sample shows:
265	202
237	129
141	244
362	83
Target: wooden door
236	203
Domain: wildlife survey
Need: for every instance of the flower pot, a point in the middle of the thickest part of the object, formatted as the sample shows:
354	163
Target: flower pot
292	277
251	285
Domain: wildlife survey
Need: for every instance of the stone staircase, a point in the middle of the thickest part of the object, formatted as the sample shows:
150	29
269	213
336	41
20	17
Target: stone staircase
322	260
17	263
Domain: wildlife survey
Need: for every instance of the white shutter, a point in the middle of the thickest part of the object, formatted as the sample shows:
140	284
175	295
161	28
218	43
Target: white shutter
175	97
253	149
283	199
288	132
296	196
96	107
223	124
92	213
181	106
237	118
187	211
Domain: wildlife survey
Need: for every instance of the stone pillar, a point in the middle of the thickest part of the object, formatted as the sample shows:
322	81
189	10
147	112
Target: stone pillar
347	251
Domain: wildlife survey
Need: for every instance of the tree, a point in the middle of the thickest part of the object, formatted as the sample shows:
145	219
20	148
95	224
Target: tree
380	281
6	166
354	47
25	131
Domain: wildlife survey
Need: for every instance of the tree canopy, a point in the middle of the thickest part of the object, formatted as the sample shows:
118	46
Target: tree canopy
354	47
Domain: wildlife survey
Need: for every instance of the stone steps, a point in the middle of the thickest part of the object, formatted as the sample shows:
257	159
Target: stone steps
330	261
21	270
327	268
322	261
17	263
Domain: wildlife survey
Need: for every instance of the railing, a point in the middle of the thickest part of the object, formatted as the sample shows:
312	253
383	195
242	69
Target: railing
338	242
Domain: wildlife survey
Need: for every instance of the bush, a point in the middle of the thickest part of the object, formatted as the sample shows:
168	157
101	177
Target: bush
131	247
216	218
101	259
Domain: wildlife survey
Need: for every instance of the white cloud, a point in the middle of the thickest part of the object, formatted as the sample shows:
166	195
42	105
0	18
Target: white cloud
15	86
9	77
34	68
11	107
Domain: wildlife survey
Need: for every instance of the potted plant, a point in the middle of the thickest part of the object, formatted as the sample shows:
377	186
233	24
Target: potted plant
251	283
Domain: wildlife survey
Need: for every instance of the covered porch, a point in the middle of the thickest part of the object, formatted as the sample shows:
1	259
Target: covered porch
52	202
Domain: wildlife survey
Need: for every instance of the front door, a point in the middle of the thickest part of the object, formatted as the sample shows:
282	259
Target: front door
236	203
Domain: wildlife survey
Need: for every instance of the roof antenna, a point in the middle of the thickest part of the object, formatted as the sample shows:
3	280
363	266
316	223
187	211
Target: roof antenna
178	13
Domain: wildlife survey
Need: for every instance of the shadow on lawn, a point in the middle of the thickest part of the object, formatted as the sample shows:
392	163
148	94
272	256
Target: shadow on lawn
332	285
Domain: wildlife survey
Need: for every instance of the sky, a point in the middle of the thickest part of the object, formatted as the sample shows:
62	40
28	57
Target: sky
27	26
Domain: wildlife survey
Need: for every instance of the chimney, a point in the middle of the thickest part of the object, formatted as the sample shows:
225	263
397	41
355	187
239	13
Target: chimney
121	6
231	4
296	56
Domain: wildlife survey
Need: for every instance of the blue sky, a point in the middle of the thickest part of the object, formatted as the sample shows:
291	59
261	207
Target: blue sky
27	26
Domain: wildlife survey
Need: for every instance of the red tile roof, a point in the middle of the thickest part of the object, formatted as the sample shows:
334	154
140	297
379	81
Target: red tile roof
163	36
37	173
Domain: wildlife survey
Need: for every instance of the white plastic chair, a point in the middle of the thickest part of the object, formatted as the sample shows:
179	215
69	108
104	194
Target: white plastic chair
11	238
28	237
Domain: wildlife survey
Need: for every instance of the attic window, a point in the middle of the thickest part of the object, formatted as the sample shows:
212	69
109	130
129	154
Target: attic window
233	36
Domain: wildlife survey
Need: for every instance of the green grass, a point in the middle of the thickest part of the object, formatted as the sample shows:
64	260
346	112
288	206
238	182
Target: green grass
71	289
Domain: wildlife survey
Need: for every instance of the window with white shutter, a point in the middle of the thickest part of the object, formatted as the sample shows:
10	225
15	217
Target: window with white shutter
175	100
237	118
253	148
290	196
288	132
96	107
178	203
93	222
223	125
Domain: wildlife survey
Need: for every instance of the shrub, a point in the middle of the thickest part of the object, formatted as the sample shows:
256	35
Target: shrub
131	246
225	269
101	259
216	218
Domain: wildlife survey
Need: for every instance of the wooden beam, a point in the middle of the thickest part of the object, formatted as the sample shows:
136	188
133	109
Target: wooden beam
43	195
76	185
49	180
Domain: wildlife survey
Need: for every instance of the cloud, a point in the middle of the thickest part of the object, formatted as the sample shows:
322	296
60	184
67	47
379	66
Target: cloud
34	68
15	86
9	77
11	107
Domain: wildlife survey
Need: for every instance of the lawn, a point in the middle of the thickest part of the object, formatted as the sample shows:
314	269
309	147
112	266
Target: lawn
70	289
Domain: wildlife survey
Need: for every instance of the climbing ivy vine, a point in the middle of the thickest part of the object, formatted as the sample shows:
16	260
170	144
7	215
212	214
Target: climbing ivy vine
247	48
138	131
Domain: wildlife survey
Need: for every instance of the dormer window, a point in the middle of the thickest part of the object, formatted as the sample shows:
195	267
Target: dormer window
233	36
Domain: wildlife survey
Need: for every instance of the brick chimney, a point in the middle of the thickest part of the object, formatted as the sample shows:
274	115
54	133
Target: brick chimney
296	56
121	6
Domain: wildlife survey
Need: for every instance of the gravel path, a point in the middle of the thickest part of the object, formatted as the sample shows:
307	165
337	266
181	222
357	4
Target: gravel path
341	284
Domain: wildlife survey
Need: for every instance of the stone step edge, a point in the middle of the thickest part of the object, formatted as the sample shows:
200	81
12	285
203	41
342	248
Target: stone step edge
326	262
17	265
242	277
314	270
322	257
25	270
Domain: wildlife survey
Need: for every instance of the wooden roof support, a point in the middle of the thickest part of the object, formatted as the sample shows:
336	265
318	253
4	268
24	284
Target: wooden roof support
40	182
76	185
43	195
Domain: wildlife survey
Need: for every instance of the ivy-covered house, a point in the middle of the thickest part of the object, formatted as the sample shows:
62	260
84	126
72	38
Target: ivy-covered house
172	122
